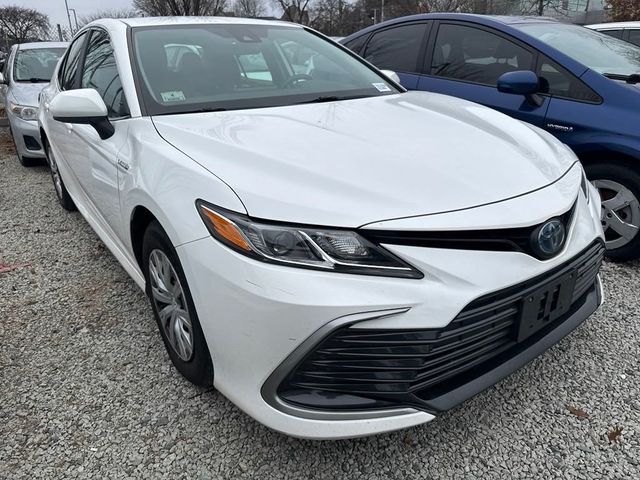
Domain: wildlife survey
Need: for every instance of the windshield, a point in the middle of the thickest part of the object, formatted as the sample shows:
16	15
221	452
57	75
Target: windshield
600	52
36	65
209	67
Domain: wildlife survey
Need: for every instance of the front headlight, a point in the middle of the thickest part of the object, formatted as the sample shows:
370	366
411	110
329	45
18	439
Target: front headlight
25	112
306	247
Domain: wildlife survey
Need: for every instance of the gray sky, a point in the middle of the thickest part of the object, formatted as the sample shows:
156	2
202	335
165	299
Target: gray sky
57	13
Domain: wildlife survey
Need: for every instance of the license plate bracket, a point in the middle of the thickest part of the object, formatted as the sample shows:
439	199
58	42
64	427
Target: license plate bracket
546	304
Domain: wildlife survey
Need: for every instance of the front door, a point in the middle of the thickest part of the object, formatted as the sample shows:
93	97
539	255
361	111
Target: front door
100	172
466	62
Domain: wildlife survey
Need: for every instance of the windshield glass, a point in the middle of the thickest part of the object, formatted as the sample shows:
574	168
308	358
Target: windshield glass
600	52
36	65
201	67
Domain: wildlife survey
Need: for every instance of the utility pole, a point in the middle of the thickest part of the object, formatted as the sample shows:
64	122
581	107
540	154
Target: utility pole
60	33
382	12
66	5
75	17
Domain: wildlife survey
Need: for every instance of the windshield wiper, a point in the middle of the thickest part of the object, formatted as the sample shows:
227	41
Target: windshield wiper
197	110
331	98
632	79
33	80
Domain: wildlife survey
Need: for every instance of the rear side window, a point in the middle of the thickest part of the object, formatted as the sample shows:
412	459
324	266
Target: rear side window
558	82
612	33
397	48
68	74
100	73
356	44
634	37
475	55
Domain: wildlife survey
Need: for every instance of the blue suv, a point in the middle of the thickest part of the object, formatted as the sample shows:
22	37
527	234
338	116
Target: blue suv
580	85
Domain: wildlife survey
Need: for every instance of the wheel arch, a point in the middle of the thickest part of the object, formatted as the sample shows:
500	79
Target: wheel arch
623	158
141	218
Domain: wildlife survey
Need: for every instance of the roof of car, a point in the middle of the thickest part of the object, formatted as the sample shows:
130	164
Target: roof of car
36	45
483	19
611	25
159	21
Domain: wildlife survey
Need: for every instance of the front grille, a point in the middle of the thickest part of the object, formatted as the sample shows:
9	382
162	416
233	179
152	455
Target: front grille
410	366
501	240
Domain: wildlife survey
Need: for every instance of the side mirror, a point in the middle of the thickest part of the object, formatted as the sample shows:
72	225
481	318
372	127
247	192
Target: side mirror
83	106
522	82
392	75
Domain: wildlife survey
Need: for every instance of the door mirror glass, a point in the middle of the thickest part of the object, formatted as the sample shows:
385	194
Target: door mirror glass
524	82
392	75
84	106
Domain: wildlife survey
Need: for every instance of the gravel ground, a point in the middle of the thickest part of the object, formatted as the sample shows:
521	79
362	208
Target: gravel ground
87	390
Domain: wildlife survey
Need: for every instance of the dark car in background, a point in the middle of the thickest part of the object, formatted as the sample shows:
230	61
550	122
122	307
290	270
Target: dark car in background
579	84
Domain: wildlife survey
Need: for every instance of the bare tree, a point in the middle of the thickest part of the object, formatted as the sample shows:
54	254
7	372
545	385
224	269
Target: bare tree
540	7
109	13
447	5
180	7
249	8
18	24
624	10
295	10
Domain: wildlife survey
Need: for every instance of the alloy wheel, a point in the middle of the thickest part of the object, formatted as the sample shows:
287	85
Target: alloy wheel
170	303
620	213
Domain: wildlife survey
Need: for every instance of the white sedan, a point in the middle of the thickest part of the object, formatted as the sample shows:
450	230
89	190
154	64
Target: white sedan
338	256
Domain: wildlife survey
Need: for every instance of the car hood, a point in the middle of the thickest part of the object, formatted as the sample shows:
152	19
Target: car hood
353	162
27	93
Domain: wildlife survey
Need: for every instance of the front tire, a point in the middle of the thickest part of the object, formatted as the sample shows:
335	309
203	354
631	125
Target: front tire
619	188
61	191
173	308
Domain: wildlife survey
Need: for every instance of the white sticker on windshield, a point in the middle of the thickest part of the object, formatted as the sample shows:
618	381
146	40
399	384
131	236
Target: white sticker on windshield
173	96
382	87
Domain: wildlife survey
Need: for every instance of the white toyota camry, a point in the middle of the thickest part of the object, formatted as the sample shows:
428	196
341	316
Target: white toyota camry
338	256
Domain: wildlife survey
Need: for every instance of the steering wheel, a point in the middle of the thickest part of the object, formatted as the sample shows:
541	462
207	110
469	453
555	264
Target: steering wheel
296	78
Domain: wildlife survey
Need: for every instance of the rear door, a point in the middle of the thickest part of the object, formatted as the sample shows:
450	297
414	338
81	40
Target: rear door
66	145
465	60
399	48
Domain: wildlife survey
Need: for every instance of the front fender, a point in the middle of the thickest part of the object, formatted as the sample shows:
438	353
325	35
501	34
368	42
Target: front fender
167	182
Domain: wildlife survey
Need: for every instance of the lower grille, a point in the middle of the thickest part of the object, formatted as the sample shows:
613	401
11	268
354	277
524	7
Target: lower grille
31	143
409	366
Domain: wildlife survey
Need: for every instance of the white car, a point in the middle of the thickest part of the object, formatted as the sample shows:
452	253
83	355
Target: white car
628	31
338	256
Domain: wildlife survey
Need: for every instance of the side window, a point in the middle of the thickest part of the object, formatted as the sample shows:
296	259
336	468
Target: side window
634	37
558	82
356	44
101	74
475	55
612	33
68	73
254	66
396	48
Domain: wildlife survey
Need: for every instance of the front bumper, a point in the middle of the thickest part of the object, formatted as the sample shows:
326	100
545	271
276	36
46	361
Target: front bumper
26	136
260	319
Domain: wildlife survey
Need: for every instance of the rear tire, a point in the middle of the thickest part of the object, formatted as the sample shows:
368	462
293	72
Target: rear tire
61	191
173	308
619	188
